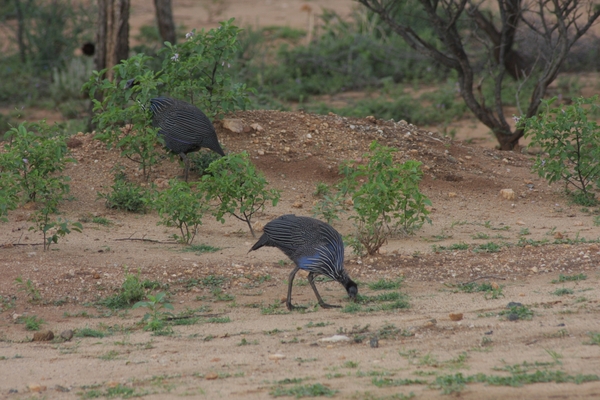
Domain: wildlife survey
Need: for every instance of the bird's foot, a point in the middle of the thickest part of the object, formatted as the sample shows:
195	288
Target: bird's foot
325	305
292	307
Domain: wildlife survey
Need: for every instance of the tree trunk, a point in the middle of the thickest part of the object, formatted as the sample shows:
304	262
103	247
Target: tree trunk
164	18
20	29
112	34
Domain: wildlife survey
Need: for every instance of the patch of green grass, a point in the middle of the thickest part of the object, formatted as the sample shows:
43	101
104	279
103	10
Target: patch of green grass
594	338
273	309
563	291
245	342
111	355
210	281
89	332
132	290
487	288
489	247
101	221
385	284
201	248
29	288
298	391
452	247
32	322
517	312
318	324
570	278
218	320
481	236
387	382
118	391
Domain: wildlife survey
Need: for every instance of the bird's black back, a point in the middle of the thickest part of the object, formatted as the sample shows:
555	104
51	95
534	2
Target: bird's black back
312	244
183	126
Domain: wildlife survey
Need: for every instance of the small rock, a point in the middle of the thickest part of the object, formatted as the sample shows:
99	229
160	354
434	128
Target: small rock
67	335
495	285
210	377
431	323
507	194
36	387
297	205
456	316
513	317
534	270
234	125
335	339
276	357
257	127
558	235
43	336
578	223
514	304
374	342
260	152
451	195
520	222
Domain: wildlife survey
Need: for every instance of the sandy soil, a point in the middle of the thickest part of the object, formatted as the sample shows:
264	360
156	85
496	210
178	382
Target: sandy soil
245	345
258	344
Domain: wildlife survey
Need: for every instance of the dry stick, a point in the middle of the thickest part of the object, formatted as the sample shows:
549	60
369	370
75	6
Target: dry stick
142	239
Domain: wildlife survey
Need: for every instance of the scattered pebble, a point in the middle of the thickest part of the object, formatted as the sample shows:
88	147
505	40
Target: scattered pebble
335	339
456	316
43	336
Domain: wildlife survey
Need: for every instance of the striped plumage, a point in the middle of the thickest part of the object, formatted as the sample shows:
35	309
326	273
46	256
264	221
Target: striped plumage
313	246
184	128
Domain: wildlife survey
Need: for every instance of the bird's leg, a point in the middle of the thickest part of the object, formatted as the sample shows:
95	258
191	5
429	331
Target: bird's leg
288	302
186	169
311	280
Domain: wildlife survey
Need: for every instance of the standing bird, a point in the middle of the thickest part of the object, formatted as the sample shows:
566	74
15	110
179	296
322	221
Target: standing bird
183	126
313	246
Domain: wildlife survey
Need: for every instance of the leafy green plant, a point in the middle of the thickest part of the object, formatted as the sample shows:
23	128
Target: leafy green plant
126	195
238	187
515	312
386	284
298	391
182	207
132	290
329	206
36	154
563	291
155	317
29	288
569	278
196	70
32	322
571	145
594	338
386	197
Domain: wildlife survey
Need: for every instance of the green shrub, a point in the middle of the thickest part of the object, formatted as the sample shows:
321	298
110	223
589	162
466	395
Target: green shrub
238	187
389	200
126	195
182	207
196	71
132	290
571	144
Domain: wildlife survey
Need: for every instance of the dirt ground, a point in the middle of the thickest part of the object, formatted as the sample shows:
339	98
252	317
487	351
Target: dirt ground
245	345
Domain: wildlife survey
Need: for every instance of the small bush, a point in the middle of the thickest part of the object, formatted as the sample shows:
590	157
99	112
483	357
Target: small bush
131	291
389	200
571	144
238	187
181	207
126	196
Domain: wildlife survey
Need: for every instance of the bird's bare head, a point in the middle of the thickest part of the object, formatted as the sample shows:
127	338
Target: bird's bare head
352	289
131	83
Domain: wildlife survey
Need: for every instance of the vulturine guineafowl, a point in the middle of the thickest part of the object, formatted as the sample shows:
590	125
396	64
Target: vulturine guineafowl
313	246
183	126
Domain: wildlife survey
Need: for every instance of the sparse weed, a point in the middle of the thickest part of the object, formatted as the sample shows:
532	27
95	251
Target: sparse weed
563	292
385	284
594	338
32	322
298	391
570	278
155	317
29	288
517	312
